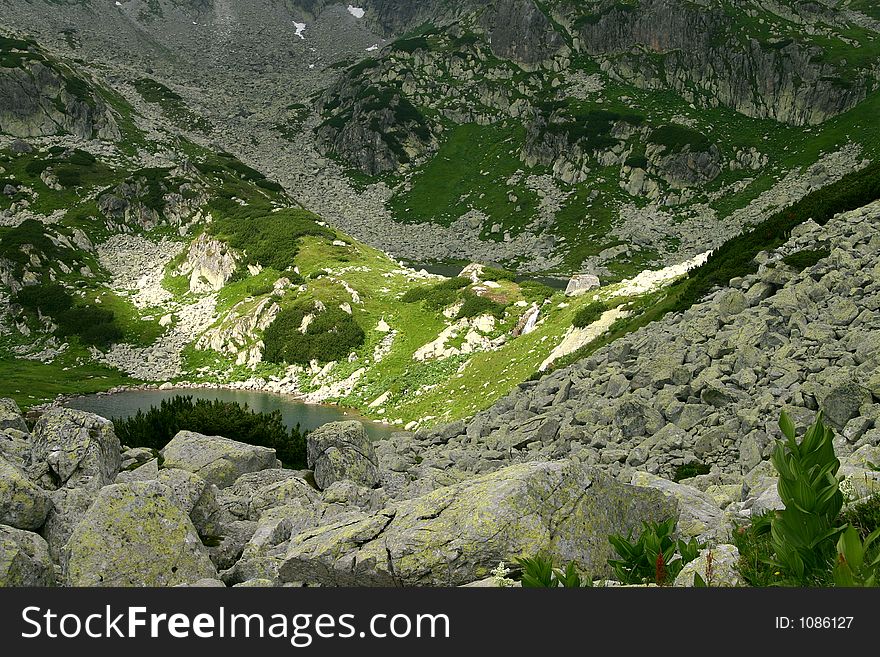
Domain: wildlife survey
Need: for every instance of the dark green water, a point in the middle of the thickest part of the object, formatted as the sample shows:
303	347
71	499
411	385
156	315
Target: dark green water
293	412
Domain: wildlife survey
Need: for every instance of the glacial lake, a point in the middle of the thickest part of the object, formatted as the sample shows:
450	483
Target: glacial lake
293	412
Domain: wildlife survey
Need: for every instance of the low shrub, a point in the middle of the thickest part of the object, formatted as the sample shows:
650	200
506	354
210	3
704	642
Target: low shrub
331	336
437	296
93	326
497	274
692	469
802	260
475	306
588	314
535	291
155	428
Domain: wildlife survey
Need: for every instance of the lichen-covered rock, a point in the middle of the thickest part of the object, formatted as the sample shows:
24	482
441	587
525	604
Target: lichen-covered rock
700	516
69	505
218	460
195	497
24	559
15	446
11	416
350	495
22	504
80	449
280	494
228	547
723	572
134	535
342	451
459	533
236	499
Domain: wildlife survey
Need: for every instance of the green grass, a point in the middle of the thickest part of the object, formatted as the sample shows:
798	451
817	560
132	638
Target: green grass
30	383
469	172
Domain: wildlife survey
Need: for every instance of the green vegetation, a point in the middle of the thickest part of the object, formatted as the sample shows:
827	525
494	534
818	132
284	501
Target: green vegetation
655	557
31	382
155	428
331	335
692	469
678	137
270	239
172	104
475	306
539	573
438	296
805	259
803	533
588	314
858	562
93	326
810	542
470	172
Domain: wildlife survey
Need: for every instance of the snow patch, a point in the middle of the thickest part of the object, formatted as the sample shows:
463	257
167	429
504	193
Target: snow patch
300	28
373	48
357	12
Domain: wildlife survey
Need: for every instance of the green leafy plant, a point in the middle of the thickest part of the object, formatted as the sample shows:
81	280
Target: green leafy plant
539	573
655	557
857	563
802	534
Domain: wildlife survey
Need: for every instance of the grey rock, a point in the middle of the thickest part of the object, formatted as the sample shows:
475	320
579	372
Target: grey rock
24	559
342	451
80	449
134	535
22	504
218	460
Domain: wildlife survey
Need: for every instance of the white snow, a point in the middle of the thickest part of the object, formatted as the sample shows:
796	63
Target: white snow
118	4
300	28
372	48
649	280
357	12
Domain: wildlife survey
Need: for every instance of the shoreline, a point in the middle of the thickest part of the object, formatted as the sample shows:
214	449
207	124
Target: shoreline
63	399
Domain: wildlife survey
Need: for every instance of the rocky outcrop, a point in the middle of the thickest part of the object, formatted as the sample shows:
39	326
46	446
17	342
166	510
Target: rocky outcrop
217	460
209	263
74	449
133	535
24	559
704	57
23	505
371	125
342	451
40	97
459	533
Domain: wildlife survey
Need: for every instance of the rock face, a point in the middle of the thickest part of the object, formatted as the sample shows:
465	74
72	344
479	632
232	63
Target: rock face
24	559
209	264
78	448
22	504
11	417
717	566
581	284
133	535
217	460
39	97
459	533
342	451
665	43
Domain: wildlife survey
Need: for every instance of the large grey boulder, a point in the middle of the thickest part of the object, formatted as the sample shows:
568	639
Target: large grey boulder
78	449
459	533
22	504
218	460
342	451
69	506
236	499
11	416
135	535
24	559
717	566
197	498
699	515
841	398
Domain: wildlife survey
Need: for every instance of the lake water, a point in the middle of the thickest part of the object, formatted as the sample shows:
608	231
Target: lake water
293	412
